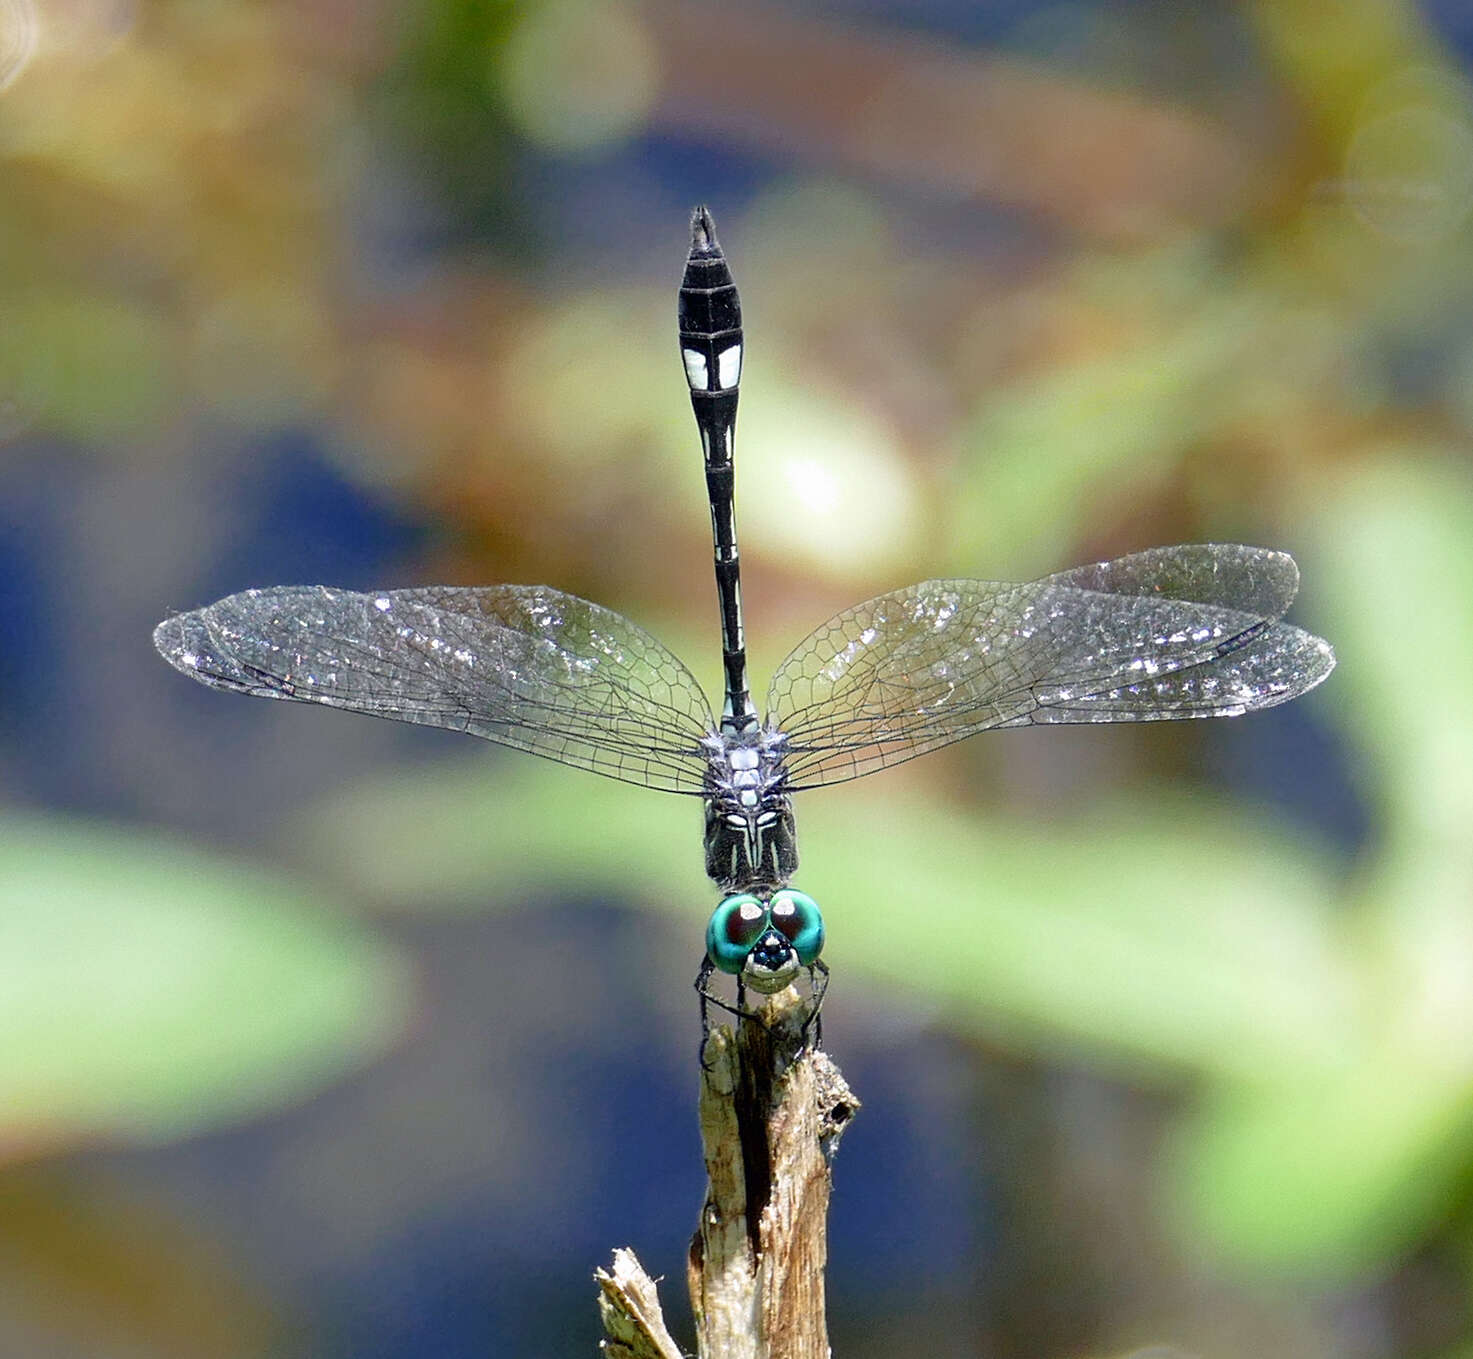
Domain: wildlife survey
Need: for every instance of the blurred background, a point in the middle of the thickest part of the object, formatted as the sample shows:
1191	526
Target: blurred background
319	1036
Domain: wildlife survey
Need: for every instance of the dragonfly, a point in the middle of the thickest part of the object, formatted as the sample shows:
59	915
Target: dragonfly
1173	632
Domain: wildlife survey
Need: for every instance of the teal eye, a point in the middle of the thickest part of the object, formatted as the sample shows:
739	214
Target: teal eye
734	927
795	915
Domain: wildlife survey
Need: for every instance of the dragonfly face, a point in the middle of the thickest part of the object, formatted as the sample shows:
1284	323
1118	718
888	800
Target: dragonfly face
765	943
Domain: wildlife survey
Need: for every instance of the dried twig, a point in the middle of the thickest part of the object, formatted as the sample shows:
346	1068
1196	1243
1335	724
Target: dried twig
772	1110
630	1311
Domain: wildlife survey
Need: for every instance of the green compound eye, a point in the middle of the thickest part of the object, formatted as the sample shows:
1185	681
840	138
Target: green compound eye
735	925
795	915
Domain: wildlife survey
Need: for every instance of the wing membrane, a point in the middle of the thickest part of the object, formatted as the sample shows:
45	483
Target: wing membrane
525	666
1176	632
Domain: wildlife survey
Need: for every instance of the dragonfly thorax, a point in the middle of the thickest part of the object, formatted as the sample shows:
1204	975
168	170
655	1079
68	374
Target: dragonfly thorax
751	843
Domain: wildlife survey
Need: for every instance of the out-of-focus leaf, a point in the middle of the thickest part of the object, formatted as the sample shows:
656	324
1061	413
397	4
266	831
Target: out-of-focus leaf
1334	57
1396	581
148	989
575	76
622	334
1041	453
1183	933
501	824
1331	1176
86	366
1337	1170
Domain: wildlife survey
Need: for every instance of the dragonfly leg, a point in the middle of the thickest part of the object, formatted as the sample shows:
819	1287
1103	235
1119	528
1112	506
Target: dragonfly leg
818	979
702	977
710	998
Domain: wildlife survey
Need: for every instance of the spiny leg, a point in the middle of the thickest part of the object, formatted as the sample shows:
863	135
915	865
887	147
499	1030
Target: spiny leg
710	998
818	980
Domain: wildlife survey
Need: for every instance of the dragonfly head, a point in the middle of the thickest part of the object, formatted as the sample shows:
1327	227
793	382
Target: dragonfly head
765	942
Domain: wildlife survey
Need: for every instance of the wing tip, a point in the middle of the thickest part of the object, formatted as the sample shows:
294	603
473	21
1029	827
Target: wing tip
1278	566
1313	660
1325	655
175	640
165	633
1286	571
192	647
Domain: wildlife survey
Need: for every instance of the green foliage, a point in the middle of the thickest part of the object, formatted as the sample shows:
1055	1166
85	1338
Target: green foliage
90	366
475	834
150	989
1335	1166
440	100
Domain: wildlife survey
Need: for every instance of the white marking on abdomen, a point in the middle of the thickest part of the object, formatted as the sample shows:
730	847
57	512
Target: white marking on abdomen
729	367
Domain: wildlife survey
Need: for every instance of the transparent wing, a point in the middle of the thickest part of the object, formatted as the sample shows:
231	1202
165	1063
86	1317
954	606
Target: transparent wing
522	665
1175	632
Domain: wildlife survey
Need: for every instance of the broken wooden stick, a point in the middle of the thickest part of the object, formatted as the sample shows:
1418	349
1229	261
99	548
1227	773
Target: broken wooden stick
772	1110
